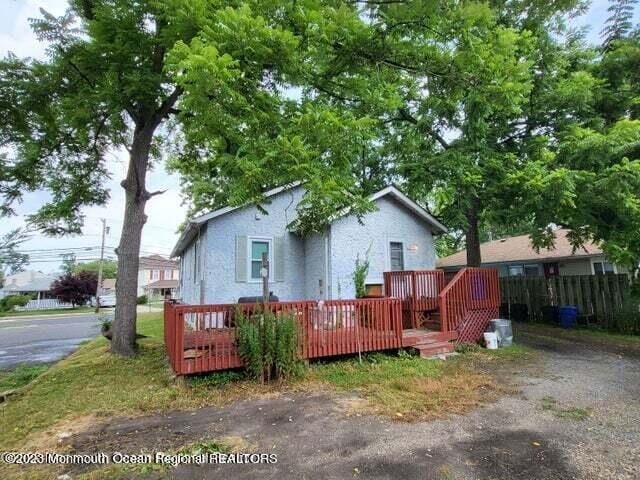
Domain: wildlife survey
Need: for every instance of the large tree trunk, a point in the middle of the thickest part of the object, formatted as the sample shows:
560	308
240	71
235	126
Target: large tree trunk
124	325
472	233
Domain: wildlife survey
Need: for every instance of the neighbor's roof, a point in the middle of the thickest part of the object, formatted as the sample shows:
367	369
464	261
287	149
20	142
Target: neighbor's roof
194	224
519	249
163	284
157	261
28	281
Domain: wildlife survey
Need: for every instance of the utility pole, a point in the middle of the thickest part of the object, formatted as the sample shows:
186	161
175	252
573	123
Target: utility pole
99	287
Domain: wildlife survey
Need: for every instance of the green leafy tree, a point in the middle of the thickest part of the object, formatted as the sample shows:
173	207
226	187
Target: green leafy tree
109	267
203	79
619	23
11	259
69	263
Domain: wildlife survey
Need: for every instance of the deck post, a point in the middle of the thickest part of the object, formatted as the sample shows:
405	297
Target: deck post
264	272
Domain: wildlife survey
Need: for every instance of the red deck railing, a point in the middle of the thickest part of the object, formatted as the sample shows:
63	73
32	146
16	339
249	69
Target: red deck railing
469	301
201	338
418	290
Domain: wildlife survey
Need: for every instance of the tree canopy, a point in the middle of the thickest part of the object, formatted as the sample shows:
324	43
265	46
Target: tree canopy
493	114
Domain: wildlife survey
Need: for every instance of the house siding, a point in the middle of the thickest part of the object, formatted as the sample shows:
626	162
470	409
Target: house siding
391	222
328	256
219	283
315	266
580	266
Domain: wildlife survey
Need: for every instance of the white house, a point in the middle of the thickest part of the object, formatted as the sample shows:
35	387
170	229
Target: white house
28	282
220	252
157	276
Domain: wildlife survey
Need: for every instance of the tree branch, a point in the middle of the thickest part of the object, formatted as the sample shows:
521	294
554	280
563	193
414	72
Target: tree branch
404	114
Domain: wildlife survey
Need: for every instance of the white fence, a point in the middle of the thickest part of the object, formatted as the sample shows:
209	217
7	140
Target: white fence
44	304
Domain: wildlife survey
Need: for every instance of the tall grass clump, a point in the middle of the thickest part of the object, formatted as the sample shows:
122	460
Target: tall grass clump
269	345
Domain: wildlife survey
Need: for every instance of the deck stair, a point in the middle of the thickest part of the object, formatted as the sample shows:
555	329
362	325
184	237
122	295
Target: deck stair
428	343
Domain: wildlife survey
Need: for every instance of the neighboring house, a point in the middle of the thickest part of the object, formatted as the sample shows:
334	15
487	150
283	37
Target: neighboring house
36	284
220	252
109	286
157	276
514	256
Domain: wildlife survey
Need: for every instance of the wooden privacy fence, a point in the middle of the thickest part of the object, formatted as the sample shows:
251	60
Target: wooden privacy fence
201	338
596	296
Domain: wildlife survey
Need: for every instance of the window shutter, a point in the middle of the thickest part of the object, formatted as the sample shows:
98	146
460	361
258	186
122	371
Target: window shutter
241	258
278	259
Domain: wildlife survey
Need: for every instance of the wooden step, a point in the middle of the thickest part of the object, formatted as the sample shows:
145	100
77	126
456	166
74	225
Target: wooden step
432	349
413	337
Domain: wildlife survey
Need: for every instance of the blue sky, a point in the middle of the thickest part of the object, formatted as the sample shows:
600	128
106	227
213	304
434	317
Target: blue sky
165	212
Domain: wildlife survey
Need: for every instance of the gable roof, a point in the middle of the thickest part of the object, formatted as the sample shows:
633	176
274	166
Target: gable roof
519	248
28	281
194	224
157	261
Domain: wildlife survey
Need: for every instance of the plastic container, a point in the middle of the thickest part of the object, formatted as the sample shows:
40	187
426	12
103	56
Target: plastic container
503	331
491	339
568	316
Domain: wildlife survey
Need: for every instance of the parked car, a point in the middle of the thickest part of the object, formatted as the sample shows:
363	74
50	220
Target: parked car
105	301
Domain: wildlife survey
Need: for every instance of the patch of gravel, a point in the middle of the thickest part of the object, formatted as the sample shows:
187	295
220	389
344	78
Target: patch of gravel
514	438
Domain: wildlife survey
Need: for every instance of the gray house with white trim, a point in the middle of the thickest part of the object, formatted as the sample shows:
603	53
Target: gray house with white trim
220	252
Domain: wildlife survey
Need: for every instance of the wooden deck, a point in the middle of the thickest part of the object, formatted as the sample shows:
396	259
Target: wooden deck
423	314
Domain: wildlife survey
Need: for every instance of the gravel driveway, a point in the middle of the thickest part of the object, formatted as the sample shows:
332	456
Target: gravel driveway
537	433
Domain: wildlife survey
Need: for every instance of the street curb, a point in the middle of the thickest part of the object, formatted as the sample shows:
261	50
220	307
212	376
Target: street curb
43	317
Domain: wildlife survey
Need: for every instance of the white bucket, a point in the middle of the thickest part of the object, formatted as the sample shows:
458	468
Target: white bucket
491	339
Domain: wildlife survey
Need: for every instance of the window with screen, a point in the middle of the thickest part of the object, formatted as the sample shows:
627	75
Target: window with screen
600	268
396	253
531	270
258	247
516	270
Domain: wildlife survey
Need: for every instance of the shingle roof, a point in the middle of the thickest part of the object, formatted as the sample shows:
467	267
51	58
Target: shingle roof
157	261
520	249
163	284
28	281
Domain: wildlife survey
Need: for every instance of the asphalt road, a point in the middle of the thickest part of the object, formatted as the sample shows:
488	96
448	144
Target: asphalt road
43	339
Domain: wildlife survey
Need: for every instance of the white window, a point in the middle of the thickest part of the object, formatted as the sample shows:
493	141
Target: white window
168	274
258	246
516	270
396	256
155	274
602	268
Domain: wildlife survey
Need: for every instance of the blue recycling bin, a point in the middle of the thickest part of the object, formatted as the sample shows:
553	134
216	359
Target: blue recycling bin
568	316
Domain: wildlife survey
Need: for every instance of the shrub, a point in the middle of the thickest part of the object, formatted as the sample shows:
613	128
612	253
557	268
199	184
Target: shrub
360	276
75	289
8	303
142	300
268	344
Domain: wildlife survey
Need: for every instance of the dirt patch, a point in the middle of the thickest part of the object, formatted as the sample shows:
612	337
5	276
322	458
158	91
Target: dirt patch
516	454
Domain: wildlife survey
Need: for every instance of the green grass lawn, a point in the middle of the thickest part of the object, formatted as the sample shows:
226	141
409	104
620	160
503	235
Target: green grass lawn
21	376
53	311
